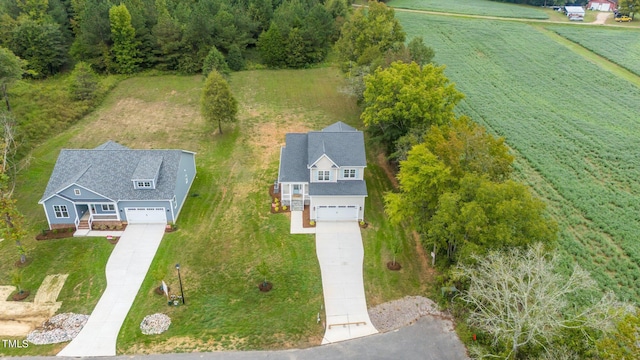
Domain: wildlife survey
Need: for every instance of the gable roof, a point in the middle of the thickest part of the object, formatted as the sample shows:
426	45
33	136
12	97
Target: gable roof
108	170
341	143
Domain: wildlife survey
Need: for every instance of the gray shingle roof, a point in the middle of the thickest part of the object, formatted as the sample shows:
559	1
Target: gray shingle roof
293	165
339	126
343	148
108	171
340	142
148	168
341	187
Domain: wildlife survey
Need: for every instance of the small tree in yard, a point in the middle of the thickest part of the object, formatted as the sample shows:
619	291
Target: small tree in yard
520	300
217	103
83	82
16	280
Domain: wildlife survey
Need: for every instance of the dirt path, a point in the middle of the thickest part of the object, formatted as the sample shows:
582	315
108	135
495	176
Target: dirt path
601	18
19	318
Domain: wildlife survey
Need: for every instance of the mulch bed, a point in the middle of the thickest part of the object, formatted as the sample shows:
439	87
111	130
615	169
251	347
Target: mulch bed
274	195
265	287
113	240
394	267
20	264
56	234
159	290
100	227
20	296
306	218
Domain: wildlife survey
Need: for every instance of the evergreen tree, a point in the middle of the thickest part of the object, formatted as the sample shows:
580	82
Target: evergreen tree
214	61
235	59
217	103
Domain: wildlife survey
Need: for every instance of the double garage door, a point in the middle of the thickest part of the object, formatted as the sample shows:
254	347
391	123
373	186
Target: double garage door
150	215
337	213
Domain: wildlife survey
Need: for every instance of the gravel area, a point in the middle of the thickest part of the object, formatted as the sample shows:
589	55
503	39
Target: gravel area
155	324
60	328
402	312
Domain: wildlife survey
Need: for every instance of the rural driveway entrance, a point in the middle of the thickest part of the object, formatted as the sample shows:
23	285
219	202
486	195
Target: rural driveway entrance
340	253
126	269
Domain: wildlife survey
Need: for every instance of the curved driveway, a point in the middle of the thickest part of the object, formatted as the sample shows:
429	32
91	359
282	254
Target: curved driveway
126	269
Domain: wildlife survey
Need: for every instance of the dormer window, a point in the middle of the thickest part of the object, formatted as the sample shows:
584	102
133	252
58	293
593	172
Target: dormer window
144	184
145	176
323	175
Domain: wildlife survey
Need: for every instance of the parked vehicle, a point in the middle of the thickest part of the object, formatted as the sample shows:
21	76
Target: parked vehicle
623	18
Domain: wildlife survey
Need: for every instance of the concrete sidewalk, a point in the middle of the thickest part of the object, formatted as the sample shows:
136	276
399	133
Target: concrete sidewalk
296	224
126	269
340	253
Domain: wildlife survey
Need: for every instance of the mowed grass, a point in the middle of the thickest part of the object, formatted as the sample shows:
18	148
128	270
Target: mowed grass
573	126
621	46
472	7
225	228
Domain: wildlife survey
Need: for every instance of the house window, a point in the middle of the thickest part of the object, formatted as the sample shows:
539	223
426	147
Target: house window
349	173
76	191
297	188
143	184
108	207
61	211
323	175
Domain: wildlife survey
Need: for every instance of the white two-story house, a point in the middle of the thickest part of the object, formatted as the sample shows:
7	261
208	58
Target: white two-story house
325	170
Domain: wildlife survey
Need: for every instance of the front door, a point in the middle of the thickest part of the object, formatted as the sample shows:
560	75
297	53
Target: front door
297	189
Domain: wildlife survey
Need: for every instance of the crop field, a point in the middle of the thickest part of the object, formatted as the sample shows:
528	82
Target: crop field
574	128
621	46
472	7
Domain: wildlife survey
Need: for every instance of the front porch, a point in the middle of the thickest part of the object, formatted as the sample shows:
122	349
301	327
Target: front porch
294	195
92	221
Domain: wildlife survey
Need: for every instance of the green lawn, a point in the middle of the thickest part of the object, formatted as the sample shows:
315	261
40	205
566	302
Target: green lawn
573	125
225	228
473	7
621	46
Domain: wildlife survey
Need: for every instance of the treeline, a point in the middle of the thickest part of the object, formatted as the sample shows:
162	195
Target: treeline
175	35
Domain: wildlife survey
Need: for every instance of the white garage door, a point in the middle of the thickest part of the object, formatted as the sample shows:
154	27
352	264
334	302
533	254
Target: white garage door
146	215
337	213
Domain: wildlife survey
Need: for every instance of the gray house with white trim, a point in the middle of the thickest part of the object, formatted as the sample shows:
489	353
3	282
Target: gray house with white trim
115	184
325	170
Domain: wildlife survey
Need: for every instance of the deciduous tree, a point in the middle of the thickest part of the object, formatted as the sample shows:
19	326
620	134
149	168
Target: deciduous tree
11	70
404	97
217	103
371	30
519	299
124	39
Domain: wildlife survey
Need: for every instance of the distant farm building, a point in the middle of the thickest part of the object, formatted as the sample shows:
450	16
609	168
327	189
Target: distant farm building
603	5
574	13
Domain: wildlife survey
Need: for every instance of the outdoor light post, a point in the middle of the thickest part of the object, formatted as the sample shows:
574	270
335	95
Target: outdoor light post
180	279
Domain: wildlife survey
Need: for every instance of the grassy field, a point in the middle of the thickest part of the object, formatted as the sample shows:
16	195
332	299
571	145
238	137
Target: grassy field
472	7
225	229
621	46
573	126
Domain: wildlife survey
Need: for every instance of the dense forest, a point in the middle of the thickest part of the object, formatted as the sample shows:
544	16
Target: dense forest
128	36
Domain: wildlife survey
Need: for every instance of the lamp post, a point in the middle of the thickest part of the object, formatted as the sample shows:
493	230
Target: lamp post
180	279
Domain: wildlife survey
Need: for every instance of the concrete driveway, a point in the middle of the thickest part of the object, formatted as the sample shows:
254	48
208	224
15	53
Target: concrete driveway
340	253
126	269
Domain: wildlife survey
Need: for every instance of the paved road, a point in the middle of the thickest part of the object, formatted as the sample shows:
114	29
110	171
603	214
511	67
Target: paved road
126	269
424	340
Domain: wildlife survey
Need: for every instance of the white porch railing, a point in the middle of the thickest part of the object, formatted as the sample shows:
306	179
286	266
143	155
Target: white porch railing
101	217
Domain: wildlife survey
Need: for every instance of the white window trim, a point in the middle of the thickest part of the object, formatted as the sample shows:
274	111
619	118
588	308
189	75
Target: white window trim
109	207
322	173
62	209
144	184
349	173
